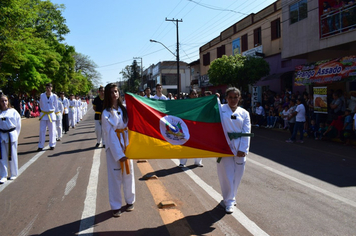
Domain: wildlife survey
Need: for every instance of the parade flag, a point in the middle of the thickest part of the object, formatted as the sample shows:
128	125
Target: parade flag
175	129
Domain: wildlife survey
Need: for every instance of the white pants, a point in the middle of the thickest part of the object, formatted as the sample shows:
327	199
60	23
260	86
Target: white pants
51	133
197	161
59	128
99	132
4	172
230	172
116	179
72	118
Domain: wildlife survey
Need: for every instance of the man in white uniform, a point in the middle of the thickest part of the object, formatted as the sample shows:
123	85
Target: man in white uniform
148	93
49	107
59	115
159	94
65	121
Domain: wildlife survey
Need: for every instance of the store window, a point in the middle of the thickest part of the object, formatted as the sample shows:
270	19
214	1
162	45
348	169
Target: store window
276	29
298	11
244	45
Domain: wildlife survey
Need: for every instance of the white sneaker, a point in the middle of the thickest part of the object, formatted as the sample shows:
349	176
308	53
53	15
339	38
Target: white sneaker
3	180
229	209
267	127
13	177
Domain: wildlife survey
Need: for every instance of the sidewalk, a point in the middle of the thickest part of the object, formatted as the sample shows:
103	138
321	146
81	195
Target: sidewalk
336	140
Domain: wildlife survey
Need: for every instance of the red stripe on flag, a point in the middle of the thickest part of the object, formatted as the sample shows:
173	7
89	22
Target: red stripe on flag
146	120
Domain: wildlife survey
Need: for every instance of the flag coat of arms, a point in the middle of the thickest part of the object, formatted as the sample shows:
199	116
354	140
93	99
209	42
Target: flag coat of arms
175	129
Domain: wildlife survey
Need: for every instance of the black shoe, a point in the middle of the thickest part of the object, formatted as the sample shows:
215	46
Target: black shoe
116	213
104	146
51	148
97	145
39	149
129	207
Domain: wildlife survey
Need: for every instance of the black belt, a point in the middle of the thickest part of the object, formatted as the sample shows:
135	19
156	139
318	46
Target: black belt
7	131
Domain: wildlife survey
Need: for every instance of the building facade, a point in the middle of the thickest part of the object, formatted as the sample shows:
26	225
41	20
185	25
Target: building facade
257	34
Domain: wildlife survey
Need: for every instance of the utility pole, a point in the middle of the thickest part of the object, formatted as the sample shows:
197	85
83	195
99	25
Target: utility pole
178	82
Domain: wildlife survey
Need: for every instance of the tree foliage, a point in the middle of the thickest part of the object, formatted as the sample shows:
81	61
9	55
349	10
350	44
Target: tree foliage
237	71
133	76
31	49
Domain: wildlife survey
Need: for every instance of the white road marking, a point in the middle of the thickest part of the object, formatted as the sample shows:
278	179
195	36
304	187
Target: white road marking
25	166
27	229
88	216
301	182
237	214
71	184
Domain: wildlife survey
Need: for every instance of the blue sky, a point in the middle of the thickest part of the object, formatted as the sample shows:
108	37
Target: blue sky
113	32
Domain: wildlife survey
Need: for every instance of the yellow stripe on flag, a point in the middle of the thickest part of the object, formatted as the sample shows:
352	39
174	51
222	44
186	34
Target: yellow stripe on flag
145	147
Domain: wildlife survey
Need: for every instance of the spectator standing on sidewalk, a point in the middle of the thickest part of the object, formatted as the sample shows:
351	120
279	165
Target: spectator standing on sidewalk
299	114
10	127
291	117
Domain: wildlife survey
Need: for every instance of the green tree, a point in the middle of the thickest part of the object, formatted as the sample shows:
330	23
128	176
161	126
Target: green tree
237	71
87	67
133	76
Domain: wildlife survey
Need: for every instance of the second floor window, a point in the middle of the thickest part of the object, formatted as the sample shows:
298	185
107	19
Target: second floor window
220	51
298	11
206	59
244	44
257	38
276	29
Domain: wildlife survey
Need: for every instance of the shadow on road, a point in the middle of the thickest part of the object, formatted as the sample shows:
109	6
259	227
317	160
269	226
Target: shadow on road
328	161
200	224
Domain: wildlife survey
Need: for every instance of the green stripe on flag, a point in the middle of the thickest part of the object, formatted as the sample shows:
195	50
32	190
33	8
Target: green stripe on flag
204	109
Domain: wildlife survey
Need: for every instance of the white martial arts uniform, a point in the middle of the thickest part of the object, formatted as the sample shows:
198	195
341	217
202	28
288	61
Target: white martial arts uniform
59	116
162	97
72	115
49	107
79	110
197	161
231	169
65	119
112	121
9	119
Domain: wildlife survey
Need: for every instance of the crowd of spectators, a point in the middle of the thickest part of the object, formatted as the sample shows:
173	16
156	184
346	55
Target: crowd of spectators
278	110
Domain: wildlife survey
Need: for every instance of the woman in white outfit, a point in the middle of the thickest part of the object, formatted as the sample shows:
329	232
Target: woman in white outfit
120	170
236	121
59	116
10	127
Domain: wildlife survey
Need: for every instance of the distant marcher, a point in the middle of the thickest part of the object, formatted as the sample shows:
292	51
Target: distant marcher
197	161
159	95
48	106
65	121
98	104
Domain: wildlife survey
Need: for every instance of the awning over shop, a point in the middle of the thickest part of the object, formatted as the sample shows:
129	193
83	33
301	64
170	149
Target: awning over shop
328	71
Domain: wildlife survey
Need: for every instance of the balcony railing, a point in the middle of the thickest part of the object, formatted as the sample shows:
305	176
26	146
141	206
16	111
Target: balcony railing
338	21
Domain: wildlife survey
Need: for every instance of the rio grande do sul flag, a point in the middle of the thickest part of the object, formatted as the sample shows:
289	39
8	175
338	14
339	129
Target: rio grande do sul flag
175	129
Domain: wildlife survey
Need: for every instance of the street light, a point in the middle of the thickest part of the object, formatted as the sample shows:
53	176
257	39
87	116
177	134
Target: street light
177	56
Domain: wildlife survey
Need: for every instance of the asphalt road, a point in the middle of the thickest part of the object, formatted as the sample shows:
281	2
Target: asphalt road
287	189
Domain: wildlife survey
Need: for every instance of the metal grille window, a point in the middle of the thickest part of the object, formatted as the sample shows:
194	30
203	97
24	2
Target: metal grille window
298	11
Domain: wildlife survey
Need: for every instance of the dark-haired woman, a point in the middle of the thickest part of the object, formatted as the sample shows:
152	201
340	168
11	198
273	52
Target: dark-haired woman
236	121
120	170
10	127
